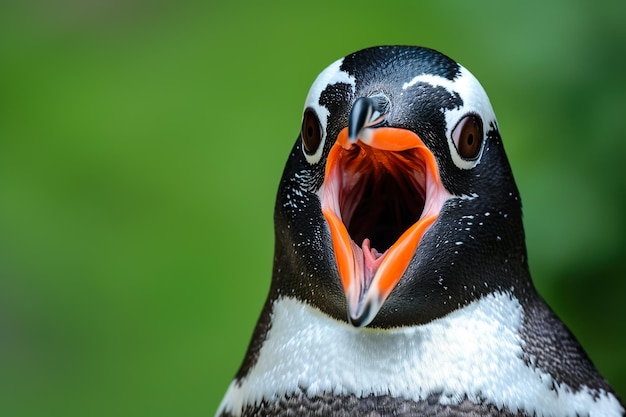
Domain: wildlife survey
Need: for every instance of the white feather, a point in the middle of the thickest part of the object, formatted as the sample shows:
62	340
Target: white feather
475	351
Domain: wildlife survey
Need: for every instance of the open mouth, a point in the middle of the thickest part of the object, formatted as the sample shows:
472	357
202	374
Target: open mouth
379	197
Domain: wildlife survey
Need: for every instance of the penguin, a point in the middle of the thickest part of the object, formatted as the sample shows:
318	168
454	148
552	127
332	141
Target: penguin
400	282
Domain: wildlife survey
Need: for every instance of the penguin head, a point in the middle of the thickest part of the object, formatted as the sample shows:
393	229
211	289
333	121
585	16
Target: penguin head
397	204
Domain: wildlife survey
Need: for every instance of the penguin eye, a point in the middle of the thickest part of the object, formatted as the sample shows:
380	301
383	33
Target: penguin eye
468	136
311	131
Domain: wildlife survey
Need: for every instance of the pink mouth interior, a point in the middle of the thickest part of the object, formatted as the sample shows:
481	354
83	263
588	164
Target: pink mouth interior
380	194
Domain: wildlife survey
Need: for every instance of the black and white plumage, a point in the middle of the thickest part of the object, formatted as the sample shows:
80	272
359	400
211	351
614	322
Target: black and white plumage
400	282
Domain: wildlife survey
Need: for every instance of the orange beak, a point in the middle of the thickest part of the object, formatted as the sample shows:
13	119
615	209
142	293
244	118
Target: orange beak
382	189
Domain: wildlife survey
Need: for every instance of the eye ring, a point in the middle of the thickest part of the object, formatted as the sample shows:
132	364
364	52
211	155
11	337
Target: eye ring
467	137
311	131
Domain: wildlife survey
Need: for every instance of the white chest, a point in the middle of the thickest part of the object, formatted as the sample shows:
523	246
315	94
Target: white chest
475	352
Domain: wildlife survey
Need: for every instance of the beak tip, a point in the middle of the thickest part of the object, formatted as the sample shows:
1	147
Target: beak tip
356	321
363	317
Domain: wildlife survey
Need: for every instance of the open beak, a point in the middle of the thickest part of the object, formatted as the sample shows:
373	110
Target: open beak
381	193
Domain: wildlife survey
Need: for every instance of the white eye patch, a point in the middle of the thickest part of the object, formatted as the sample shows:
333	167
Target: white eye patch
475	101
330	76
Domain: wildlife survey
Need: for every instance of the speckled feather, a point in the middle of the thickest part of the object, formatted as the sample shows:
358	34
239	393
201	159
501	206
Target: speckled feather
370	406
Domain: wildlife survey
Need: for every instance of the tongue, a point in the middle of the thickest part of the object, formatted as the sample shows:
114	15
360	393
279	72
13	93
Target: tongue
371	259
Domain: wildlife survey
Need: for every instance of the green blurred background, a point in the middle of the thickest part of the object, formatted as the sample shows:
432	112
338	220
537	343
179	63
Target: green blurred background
141	144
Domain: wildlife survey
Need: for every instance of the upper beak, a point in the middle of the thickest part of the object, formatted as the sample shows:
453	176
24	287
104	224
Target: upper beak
379	181
366	112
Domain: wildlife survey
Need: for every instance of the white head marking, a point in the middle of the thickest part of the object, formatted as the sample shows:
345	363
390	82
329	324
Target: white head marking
475	101
331	75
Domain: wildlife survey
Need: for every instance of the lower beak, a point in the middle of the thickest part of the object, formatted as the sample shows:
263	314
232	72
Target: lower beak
381	190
